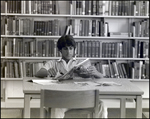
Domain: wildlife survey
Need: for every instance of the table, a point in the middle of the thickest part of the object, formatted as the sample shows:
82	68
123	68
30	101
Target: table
126	90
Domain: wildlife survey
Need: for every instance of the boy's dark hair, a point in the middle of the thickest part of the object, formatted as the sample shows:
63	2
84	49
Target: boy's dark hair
65	40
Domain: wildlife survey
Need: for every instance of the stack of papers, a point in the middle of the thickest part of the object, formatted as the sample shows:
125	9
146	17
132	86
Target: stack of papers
45	82
83	83
98	83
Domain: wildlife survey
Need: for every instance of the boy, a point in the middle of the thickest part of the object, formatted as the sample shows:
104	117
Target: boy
55	68
67	46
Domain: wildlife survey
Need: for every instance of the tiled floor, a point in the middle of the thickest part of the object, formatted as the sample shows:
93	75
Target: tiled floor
112	113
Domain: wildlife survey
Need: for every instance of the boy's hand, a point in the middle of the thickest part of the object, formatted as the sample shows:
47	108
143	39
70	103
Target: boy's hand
81	71
52	72
88	72
93	72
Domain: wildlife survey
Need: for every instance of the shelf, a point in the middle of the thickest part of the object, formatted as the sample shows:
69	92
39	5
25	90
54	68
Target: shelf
50	58
28	36
31	58
76	37
95	37
116	58
35	15
72	16
108	16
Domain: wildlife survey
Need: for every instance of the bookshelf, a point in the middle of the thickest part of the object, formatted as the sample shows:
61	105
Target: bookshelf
18	30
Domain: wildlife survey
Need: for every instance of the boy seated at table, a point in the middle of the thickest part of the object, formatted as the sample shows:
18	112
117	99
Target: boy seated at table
56	68
67	46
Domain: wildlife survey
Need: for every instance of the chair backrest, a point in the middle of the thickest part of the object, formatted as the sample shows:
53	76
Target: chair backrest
69	99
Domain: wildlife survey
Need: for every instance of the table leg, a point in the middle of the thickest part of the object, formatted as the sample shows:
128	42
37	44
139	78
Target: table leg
138	106
27	106
122	106
53	112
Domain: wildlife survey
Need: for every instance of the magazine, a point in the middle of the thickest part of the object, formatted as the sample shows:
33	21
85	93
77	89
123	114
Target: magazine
68	75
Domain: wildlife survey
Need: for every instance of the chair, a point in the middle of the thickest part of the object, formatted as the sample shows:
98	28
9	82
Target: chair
78	102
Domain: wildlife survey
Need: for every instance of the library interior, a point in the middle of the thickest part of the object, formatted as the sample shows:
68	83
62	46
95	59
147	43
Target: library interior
113	35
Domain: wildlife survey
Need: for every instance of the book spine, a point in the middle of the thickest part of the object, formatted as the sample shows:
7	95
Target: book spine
140	69
6	26
124	70
82	49
103	7
146	8
147	50
74	7
97	46
109	8
85	49
83	7
117	8
29	6
93	27
71	7
94	7
6	4
110	68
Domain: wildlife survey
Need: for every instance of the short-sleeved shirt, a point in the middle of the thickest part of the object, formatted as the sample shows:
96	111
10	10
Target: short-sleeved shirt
60	66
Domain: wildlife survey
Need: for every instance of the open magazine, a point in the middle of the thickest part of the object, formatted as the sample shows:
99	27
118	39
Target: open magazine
68	75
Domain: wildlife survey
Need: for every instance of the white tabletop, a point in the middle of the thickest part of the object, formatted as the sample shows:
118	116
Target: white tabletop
126	88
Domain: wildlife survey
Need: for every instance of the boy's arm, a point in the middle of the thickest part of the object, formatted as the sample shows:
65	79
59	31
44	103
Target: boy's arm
88	72
46	69
42	73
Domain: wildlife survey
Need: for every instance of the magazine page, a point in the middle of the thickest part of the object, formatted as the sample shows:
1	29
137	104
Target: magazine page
69	75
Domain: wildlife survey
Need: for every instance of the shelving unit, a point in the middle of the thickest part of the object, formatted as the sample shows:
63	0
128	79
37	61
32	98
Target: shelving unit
123	25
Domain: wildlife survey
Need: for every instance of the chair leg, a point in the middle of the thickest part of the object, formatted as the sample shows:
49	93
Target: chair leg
47	113
42	114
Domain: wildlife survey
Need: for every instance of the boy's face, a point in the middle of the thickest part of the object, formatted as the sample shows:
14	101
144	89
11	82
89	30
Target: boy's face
67	52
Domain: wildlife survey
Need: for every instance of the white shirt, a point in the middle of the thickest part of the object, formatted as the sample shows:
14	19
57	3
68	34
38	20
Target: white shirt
60	66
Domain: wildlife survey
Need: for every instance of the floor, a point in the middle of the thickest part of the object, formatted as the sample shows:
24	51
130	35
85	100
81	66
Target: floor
112	113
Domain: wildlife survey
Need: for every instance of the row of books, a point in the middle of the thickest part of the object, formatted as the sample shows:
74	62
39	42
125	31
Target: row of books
78	7
31	68
110	69
118	49
50	27
98	27
133	70
85	48
140	28
11	69
29	47
30	7
76	27
81	27
18	26
114	8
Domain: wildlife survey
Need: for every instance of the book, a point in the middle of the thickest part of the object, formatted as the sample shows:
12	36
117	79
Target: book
68	75
111	70
119	34
2	6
